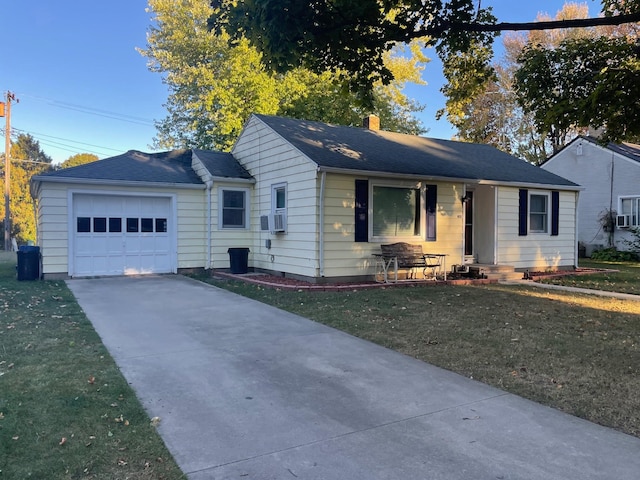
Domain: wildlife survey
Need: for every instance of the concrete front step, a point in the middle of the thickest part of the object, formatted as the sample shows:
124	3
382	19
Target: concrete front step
496	272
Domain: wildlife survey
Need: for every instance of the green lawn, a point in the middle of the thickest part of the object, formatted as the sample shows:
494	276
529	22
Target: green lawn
577	353
622	277
66	412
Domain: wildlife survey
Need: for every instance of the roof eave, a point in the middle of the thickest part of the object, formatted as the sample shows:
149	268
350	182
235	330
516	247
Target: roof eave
120	183
405	176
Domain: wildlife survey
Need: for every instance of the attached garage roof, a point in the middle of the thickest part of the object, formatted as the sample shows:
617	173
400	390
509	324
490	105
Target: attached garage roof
172	167
220	164
360	149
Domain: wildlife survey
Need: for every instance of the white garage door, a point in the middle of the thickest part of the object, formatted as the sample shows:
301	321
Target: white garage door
121	235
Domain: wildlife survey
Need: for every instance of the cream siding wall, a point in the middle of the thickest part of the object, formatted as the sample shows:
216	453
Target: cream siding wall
344	257
535	250
271	160
605	176
53	223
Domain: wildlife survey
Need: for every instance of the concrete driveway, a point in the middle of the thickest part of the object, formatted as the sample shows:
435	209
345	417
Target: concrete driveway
247	391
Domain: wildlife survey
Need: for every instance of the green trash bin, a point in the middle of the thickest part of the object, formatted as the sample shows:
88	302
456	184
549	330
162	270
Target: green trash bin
28	263
238	260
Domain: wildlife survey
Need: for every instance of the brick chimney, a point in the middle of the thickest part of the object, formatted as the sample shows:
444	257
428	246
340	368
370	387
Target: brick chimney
371	122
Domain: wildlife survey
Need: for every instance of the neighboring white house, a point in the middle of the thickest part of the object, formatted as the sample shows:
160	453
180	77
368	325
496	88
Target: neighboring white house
310	200
610	175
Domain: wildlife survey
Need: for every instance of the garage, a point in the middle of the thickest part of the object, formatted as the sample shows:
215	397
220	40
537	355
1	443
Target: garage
121	235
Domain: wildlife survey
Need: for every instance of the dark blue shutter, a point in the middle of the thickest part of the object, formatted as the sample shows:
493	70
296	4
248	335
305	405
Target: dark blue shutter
555	213
432	202
362	211
523	211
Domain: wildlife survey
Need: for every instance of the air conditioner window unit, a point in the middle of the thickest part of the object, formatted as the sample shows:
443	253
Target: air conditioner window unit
274	223
623	221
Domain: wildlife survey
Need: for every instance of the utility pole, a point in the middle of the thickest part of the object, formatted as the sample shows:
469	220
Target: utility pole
5	111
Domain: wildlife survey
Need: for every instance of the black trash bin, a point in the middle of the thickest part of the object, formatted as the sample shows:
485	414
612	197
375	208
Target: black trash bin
28	263
239	260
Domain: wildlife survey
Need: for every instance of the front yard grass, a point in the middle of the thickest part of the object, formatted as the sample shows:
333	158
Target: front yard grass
622	277
66	412
577	353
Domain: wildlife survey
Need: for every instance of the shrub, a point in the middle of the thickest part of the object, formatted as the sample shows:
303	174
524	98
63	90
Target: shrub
614	255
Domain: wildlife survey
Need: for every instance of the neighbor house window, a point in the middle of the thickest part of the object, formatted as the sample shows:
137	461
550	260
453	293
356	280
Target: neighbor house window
538	213
630	206
395	211
233	208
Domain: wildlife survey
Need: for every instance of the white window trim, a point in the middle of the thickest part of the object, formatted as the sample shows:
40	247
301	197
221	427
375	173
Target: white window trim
247	215
635	208
274	188
421	236
547	229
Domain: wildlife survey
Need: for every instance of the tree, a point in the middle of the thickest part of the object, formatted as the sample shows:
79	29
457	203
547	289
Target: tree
590	82
496	115
214	86
27	159
78	159
353	35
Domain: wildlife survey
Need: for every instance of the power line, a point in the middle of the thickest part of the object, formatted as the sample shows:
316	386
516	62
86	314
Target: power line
93	111
65	140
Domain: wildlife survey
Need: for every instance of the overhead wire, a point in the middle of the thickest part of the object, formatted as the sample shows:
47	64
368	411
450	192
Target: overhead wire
70	145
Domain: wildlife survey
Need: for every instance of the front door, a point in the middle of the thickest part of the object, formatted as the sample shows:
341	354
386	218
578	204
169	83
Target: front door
468	227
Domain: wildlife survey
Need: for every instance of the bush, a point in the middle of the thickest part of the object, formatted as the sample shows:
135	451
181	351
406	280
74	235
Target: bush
614	255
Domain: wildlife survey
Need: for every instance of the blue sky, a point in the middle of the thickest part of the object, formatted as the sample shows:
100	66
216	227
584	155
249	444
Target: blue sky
83	87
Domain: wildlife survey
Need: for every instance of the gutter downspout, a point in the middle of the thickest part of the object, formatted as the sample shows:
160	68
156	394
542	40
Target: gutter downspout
209	185
323	177
575	233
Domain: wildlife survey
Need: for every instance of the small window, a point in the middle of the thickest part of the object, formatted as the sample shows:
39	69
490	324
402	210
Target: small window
538	213
161	225
234	208
146	225
132	225
99	224
115	225
83	224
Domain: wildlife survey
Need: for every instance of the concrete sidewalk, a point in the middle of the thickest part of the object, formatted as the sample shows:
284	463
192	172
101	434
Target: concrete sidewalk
247	391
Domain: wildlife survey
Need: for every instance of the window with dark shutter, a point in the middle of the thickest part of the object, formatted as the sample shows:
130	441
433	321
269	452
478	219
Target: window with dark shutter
362	211
523	214
431	206
555	213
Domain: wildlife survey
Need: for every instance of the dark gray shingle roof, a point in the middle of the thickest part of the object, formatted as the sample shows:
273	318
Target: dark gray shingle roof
172	167
352	148
221	164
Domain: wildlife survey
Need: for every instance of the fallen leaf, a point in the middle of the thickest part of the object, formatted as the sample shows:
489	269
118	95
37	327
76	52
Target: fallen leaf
63	440
15	438
1	415
92	380
155	421
122	463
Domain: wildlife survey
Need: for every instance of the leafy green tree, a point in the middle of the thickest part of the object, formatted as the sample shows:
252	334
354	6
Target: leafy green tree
78	159
353	35
588	82
27	159
496	115
214	86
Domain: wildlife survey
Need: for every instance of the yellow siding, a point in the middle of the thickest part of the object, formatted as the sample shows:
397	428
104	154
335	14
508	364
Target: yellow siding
345	257
271	160
535	250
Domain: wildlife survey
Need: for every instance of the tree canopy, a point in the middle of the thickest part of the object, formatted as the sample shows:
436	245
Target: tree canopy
216	81
27	159
78	159
353	35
